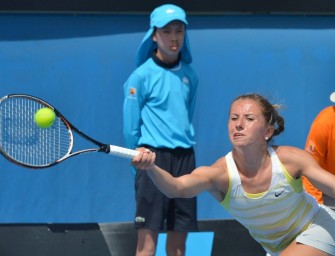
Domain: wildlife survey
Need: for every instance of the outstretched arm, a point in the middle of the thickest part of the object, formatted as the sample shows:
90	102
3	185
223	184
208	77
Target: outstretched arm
184	186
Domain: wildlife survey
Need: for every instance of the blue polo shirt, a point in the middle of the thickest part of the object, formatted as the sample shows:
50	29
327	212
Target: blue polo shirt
159	105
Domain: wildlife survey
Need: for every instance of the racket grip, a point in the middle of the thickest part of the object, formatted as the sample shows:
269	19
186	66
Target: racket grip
122	152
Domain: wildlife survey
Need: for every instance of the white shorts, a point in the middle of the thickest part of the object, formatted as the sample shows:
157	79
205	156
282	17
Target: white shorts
321	232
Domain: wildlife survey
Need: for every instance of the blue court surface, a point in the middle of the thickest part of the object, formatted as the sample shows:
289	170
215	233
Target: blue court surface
198	243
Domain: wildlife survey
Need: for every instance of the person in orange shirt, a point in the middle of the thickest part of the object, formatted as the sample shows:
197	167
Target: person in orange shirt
321	144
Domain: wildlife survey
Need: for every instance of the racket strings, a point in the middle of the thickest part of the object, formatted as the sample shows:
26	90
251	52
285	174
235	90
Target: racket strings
23	141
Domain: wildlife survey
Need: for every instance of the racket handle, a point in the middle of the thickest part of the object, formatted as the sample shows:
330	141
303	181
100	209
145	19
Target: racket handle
122	152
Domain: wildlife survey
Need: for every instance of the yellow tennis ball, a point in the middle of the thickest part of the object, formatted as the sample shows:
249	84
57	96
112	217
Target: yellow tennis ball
45	117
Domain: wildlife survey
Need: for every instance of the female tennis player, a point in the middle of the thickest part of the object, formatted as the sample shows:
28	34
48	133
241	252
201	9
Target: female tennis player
260	184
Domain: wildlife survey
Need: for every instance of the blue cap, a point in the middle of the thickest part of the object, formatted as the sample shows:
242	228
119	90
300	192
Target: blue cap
160	17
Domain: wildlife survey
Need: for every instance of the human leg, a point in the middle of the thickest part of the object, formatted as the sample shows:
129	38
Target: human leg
176	243
181	219
146	242
153	208
181	216
150	214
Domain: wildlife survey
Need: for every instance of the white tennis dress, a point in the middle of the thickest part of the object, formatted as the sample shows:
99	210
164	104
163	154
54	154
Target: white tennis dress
275	217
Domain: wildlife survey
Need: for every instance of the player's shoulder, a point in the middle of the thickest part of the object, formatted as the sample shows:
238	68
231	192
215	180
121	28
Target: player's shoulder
286	150
290	153
220	164
295	160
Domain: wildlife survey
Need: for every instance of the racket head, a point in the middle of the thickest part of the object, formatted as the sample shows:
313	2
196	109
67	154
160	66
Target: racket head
26	144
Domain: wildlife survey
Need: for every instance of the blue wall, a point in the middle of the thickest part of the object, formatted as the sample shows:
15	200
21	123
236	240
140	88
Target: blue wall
79	63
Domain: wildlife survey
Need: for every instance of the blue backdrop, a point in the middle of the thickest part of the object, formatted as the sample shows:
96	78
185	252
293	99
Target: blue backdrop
79	63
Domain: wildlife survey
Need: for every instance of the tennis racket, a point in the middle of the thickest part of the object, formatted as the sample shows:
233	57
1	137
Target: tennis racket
24	143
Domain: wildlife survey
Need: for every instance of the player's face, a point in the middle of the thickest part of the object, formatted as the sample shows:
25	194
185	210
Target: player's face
170	40
247	125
